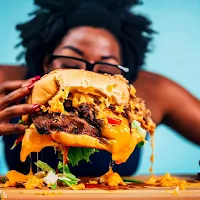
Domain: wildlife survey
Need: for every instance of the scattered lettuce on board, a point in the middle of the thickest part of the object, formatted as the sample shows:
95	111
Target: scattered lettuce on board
64	174
44	166
69	179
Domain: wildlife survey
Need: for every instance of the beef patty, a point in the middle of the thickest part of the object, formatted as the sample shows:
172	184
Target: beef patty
80	120
45	123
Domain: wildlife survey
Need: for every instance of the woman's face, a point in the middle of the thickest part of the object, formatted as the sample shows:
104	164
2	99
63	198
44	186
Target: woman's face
90	44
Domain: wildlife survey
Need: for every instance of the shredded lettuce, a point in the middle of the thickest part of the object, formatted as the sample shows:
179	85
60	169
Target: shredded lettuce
54	186
76	154
44	166
3	180
137	125
69	183
132	181
60	157
68	178
20	121
64	174
140	144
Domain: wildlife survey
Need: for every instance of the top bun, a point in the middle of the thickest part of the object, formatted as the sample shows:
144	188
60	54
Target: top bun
114	87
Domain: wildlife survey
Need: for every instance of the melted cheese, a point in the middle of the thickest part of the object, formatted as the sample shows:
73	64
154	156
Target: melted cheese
56	103
119	109
80	186
132	91
33	182
65	155
79	98
29	181
13	177
167	181
152	154
34	142
112	179
121	139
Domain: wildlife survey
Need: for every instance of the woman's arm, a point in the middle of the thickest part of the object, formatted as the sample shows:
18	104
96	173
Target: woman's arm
170	104
182	111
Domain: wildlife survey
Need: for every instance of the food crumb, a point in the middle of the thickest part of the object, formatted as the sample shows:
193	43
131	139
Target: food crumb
93	182
48	193
176	190
80	186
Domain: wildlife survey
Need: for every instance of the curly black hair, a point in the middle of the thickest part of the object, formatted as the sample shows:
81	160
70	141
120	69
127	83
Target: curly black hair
53	18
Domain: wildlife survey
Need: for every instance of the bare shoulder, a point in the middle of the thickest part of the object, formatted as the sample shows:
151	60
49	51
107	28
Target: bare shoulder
171	104
151	84
156	79
158	84
162	95
164	87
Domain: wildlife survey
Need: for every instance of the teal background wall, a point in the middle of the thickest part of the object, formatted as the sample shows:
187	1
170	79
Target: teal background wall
176	55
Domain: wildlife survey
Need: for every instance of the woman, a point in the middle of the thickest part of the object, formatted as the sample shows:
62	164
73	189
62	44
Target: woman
101	31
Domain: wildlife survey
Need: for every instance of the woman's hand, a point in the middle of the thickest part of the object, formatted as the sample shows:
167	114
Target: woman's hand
11	93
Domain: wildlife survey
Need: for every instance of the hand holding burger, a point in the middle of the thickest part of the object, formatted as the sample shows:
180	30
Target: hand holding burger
12	92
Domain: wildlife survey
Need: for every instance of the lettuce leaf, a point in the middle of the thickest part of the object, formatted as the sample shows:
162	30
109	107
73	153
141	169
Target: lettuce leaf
44	166
76	154
20	121
140	144
71	179
3	180
69	183
54	186
64	174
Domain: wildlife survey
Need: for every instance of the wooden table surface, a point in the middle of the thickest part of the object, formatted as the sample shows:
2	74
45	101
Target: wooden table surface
149	193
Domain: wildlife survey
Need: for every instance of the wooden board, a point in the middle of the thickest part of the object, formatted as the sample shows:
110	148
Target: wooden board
149	193
142	194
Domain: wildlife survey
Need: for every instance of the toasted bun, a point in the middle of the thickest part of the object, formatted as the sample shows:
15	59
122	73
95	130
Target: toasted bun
114	87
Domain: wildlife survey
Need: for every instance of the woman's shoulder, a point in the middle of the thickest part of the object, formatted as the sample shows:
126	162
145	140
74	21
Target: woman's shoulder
158	92
151	83
158	84
152	77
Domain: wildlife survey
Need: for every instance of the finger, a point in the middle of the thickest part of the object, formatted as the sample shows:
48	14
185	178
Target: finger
30	81
7	129
9	86
17	110
15	96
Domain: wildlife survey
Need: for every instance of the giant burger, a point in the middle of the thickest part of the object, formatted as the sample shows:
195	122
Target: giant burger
87	110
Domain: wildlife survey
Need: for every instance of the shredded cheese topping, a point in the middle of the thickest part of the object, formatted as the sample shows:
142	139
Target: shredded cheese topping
111	179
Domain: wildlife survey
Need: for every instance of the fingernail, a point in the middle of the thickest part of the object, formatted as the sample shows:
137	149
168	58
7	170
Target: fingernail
29	87
36	78
35	107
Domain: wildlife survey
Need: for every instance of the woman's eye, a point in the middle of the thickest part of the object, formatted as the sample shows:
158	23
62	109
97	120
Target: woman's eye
70	66
102	72
105	72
